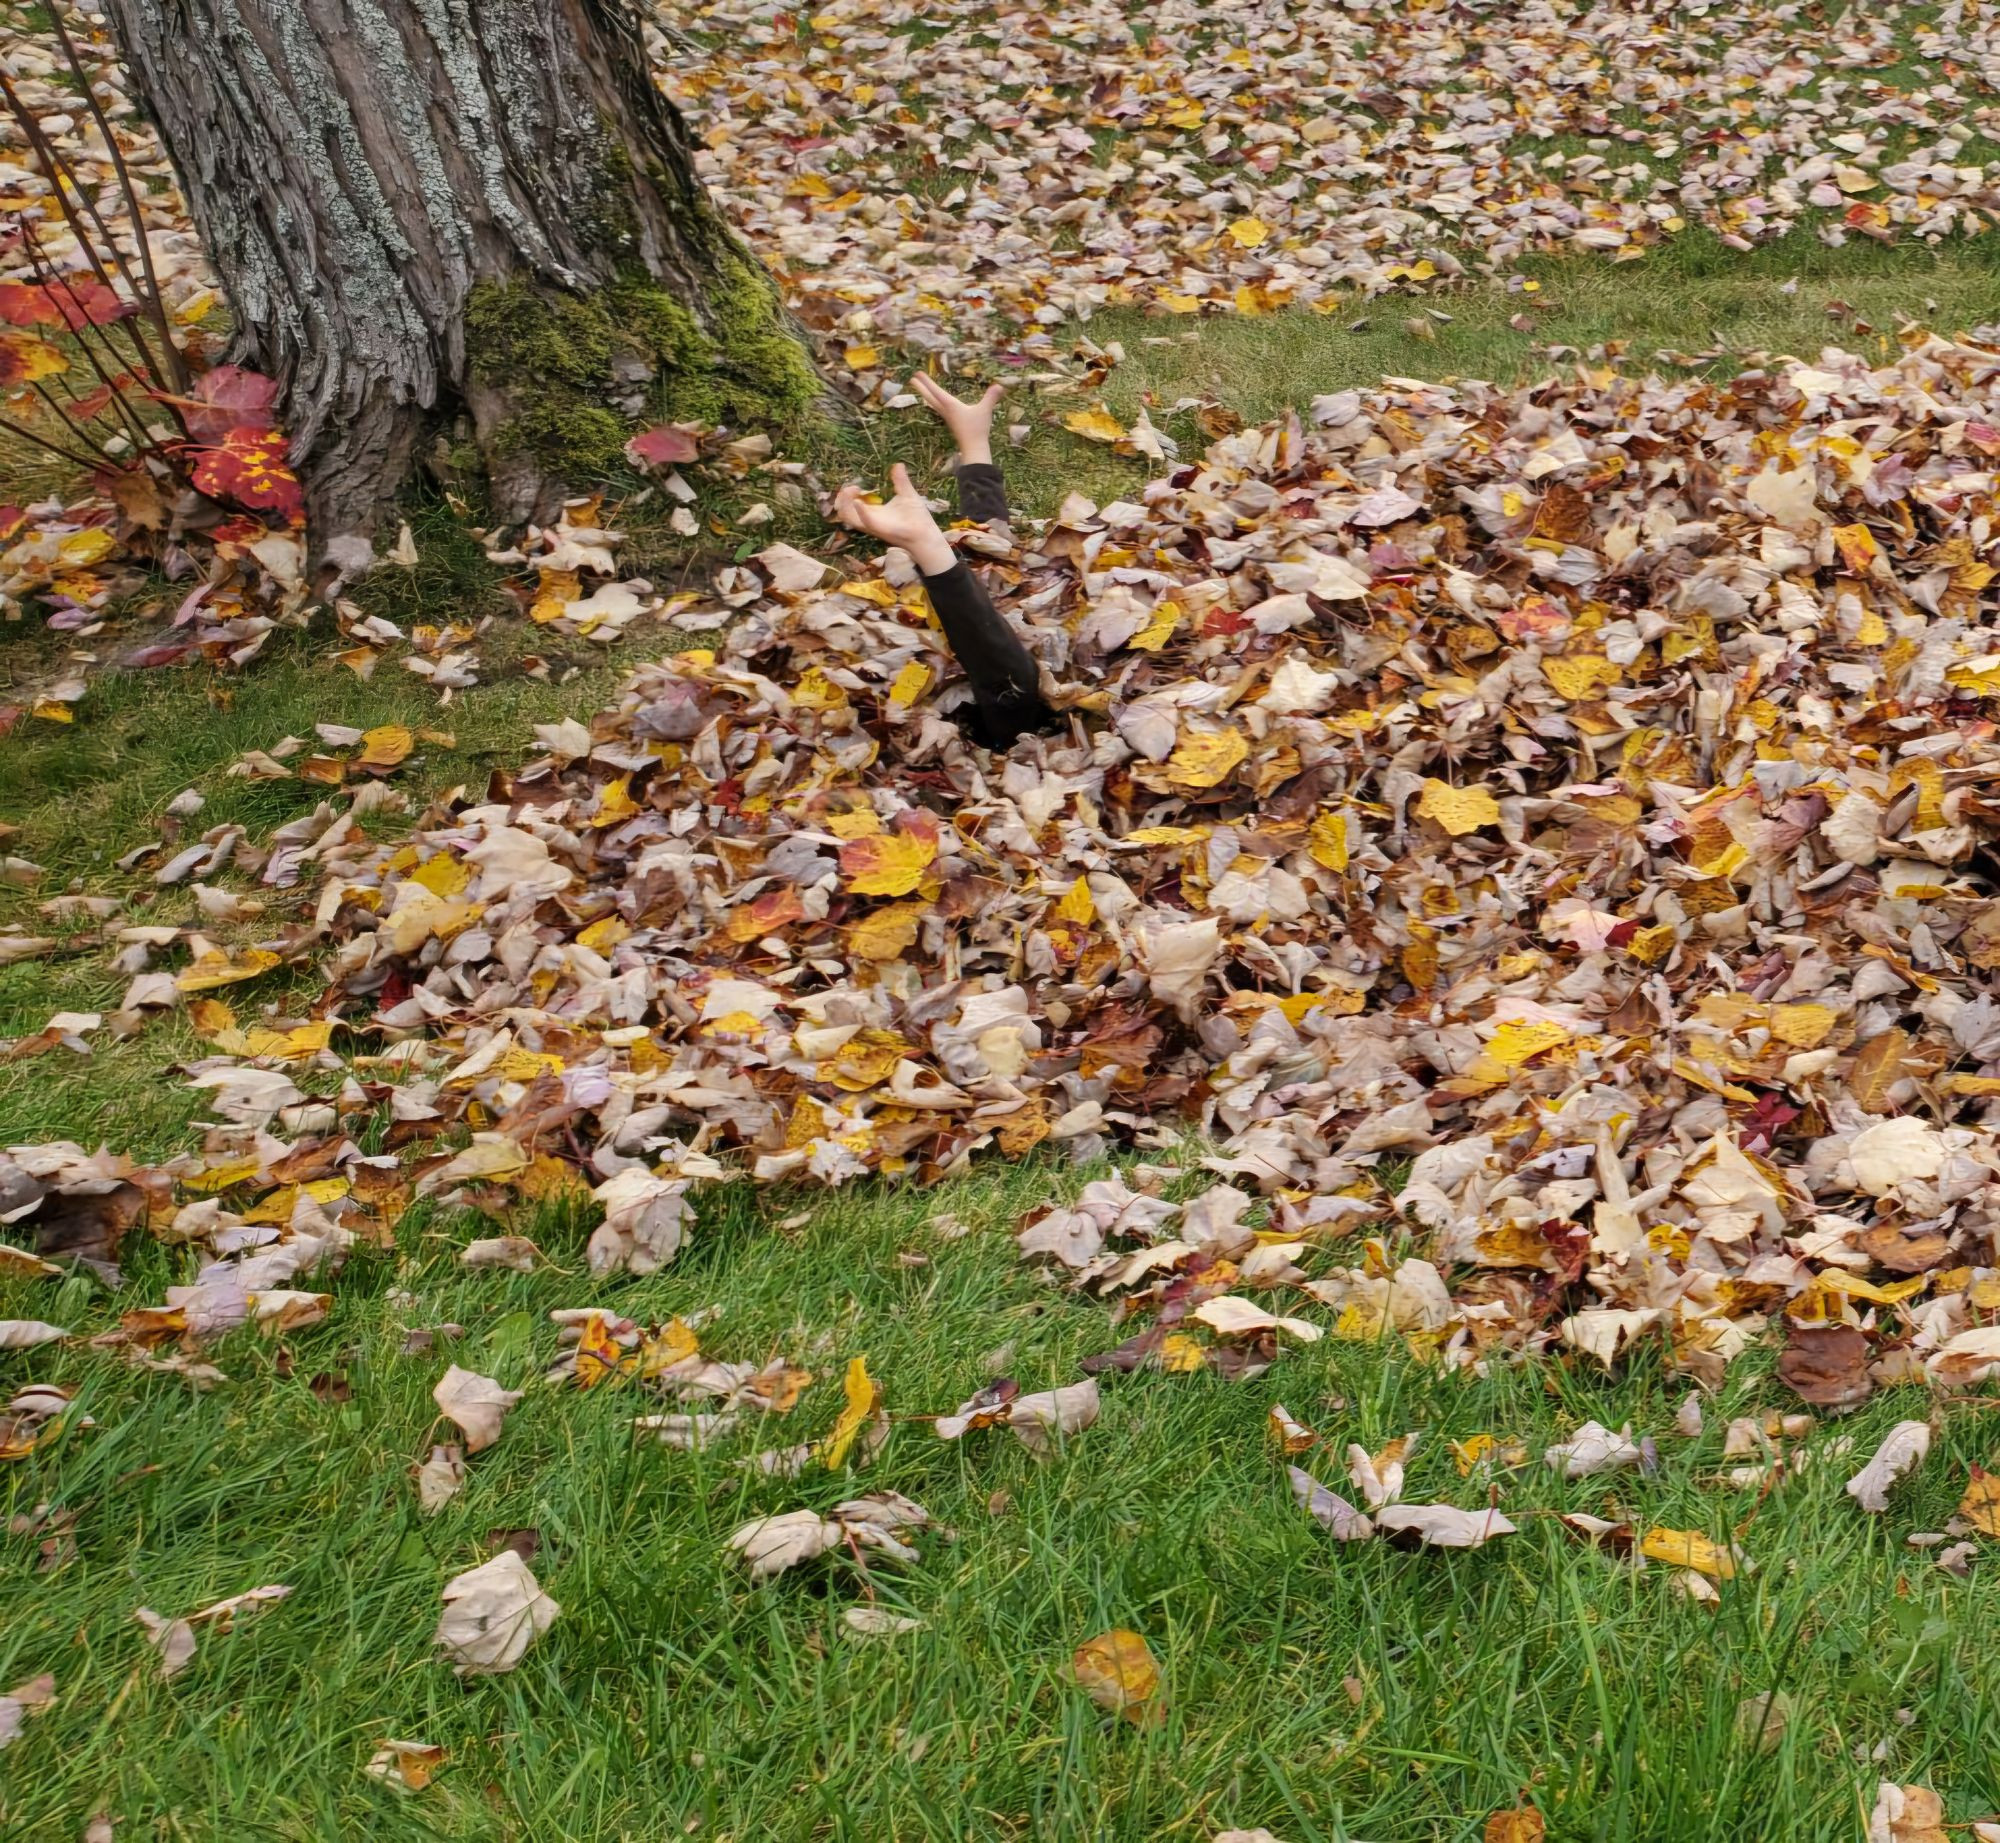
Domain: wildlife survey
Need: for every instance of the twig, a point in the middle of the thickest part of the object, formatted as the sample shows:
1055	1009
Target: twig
59	170
41	441
176	365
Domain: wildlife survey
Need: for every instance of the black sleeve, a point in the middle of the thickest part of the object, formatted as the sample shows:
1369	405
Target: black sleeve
1005	682
982	494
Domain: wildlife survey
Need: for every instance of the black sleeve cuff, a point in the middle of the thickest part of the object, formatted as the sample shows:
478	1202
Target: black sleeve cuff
982	493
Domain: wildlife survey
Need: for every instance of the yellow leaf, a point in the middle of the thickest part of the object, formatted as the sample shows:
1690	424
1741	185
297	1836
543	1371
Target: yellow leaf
1839	1280
1580	675
598	1354
886	934
53	710
1117	1671
1857	546
211	1016
443	875
383	748
1097	425
866	1060
1207	757
862	358
675	1344
910	683
1980	1506
892	864
815	691
1523	1824
1652	944
1181	1355
1166	617
1248	233
864	1397
1802	1026
1686	1548
558	588
615	804
604	933
1327	840
1516	1043
219	969
1077	905
1166	835
287	1045
1181	303
31	359
1458	809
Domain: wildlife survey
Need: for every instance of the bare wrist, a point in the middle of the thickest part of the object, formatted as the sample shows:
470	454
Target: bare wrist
932	553
976	453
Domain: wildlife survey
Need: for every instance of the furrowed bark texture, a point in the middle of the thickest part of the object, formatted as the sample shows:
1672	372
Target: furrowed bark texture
364	172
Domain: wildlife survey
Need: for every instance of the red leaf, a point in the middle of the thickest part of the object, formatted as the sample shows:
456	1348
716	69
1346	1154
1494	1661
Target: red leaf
79	303
665	446
249	466
227	398
27	304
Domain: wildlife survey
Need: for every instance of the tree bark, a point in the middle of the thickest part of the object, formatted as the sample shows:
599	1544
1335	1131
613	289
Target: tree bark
428	211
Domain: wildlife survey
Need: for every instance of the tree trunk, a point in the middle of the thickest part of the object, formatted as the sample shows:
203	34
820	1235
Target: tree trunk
439	213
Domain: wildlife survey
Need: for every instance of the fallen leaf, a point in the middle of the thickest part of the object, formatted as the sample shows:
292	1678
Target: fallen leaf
409	1766
475	1404
1458	809
1118	1672
492	1614
1901	1452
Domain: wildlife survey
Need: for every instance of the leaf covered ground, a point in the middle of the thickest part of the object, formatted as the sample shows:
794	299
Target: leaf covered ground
1388	1235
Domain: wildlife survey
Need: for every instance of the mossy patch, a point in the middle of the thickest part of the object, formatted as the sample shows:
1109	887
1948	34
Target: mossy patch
557	357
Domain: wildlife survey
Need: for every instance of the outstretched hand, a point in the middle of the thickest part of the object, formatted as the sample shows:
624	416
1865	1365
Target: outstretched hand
904	520
971	424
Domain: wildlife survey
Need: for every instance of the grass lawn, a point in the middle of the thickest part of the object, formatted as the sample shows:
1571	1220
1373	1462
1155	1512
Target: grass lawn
1322	1691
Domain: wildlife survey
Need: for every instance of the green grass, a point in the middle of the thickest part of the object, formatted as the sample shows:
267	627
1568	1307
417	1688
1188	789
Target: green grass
671	1699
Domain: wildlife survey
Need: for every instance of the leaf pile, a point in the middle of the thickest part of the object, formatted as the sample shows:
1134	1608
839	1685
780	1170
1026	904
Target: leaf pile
1677	992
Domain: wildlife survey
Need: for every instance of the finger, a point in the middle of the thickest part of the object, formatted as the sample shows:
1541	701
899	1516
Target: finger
991	400
899	478
926	387
847	506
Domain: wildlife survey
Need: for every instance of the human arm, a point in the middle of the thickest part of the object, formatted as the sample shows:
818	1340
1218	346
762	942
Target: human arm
982	493
1005	680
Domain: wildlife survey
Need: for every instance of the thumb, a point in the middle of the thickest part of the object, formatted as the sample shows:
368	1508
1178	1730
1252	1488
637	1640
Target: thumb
991	400
899	478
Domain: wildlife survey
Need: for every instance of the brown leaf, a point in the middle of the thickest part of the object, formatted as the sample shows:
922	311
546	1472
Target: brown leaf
1887	1246
1877	1067
1523	1824
1826	1365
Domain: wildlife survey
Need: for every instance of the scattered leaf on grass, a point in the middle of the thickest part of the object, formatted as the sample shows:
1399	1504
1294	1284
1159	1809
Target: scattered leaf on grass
1117	1671
34	1697
1328	1508
409	1766
492	1614
1521	1824
1901	1452
476	1404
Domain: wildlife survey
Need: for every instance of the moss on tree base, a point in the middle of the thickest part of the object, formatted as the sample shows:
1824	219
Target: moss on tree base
560	359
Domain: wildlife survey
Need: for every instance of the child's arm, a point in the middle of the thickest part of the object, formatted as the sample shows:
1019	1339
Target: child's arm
1005	681
982	494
